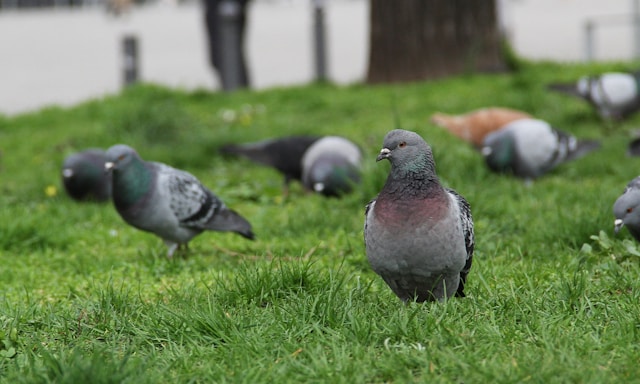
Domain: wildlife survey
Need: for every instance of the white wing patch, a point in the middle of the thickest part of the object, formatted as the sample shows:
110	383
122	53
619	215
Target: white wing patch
191	203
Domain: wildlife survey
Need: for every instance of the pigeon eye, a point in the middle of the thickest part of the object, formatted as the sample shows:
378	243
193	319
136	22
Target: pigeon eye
121	157
402	144
629	210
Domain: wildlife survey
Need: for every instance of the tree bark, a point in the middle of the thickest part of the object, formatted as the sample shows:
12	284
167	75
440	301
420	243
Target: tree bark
425	39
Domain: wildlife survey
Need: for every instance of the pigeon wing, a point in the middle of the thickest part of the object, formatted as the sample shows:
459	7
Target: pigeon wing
469	238
192	203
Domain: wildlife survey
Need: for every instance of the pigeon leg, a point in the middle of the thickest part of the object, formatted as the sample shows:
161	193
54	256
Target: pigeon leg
172	248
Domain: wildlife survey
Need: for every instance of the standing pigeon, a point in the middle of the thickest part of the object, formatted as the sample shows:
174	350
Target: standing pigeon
331	166
627	209
529	148
418	235
284	154
473	126
83	176
168	202
614	95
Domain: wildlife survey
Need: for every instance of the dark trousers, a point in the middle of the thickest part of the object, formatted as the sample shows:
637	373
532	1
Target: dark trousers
213	22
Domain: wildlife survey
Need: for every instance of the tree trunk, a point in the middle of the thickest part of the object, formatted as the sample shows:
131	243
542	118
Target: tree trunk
426	39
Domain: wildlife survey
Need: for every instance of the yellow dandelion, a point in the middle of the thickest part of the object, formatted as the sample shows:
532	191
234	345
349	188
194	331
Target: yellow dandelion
51	191
245	119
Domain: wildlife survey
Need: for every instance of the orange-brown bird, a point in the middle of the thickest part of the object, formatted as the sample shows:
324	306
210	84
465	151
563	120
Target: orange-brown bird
475	125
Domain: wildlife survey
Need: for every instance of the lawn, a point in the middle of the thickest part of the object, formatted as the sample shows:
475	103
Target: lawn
553	295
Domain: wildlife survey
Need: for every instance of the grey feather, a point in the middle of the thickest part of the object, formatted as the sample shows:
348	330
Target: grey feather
168	202
331	166
529	148
626	209
84	177
418	235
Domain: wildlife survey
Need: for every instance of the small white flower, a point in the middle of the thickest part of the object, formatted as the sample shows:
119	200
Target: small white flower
228	115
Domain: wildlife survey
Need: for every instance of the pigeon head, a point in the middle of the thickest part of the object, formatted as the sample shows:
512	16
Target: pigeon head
627	211
132	178
77	166
332	176
499	151
83	176
407	152
331	166
120	156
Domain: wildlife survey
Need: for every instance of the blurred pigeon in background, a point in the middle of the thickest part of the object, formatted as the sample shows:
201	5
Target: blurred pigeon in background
615	95
418	235
168	202
84	177
473	126
626	209
633	148
331	166
529	148
284	154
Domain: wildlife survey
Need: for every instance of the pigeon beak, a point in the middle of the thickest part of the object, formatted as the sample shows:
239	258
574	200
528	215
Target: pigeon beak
318	187
617	225
108	166
384	154
67	173
486	151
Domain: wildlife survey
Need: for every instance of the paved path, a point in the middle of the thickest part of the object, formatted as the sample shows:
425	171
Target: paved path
66	56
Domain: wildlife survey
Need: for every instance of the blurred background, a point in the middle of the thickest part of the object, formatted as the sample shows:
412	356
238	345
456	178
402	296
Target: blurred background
61	52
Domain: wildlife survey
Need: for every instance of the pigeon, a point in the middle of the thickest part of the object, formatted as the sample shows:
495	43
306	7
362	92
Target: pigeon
615	95
84	178
633	149
418	234
168	202
626	209
529	148
284	154
475	125
331	166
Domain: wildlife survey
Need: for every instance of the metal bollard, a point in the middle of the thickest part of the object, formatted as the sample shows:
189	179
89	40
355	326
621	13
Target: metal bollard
635	9
130	60
231	60
589	49
319	40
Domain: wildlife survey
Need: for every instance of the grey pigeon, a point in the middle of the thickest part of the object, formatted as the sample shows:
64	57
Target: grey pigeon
331	166
418	235
168	202
615	95
84	177
529	148
626	209
284	154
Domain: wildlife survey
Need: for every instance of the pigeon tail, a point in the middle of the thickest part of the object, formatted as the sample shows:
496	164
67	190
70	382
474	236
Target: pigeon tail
566	88
230	221
253	151
583	148
570	148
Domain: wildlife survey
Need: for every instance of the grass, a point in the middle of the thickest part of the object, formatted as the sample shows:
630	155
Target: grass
553	296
